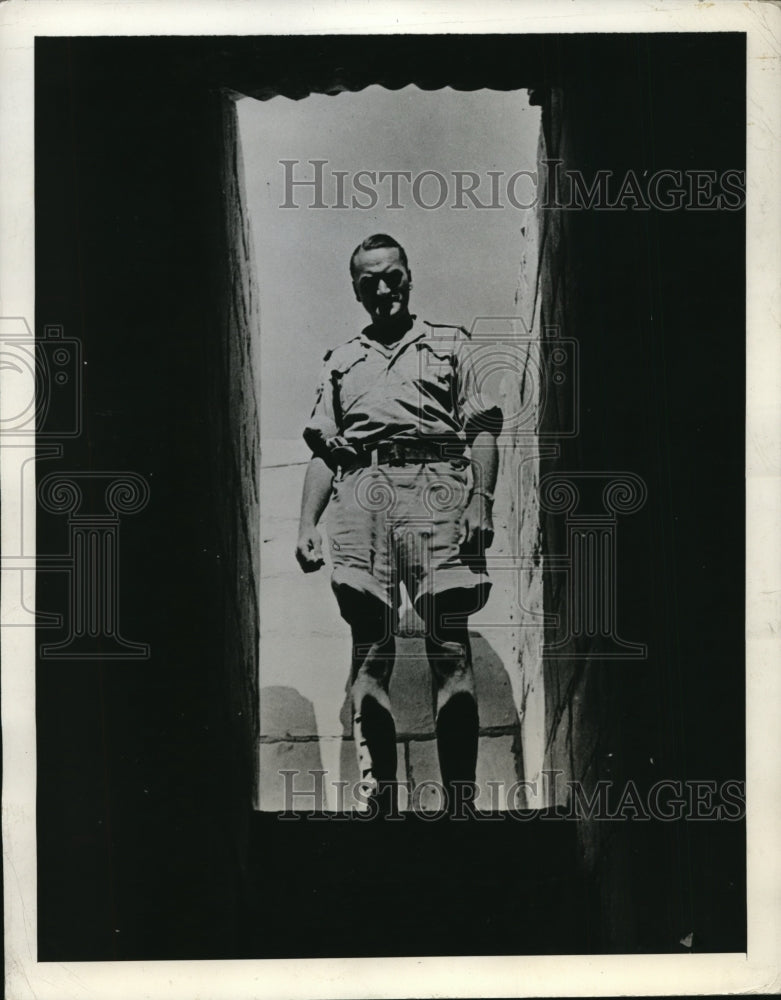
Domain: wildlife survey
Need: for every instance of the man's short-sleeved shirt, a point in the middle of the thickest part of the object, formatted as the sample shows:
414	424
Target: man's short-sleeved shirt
425	386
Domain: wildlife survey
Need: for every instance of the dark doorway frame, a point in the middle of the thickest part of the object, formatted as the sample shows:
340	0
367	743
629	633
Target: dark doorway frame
144	773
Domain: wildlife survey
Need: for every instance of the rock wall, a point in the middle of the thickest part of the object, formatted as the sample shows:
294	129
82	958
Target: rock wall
643	650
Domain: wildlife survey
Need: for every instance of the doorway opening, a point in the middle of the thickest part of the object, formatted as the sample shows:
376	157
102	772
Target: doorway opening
450	175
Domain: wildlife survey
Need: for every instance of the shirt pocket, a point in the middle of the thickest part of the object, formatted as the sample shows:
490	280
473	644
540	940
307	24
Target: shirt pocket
350	379
435	373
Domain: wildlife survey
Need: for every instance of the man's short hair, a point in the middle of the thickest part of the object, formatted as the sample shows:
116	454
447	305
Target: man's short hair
379	241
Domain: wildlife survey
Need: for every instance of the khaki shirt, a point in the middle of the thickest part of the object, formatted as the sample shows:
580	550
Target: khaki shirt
424	386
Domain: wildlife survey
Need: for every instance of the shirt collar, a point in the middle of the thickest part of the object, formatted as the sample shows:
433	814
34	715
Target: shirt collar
415	332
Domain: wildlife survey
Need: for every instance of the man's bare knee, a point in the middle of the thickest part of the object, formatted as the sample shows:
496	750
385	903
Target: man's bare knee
451	667
373	661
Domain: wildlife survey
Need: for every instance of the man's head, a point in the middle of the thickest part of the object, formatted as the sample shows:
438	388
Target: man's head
382	279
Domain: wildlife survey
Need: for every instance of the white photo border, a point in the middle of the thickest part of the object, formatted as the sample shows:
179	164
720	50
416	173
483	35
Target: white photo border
757	971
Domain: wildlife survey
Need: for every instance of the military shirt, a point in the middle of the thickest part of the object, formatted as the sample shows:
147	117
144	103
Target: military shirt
425	386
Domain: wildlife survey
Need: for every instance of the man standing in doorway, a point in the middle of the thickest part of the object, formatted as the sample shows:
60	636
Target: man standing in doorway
404	455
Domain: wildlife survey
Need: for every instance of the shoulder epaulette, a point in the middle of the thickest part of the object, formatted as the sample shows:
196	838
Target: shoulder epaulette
338	348
449	326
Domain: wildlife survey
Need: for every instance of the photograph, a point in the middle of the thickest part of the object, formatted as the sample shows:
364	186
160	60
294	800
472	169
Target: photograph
382	417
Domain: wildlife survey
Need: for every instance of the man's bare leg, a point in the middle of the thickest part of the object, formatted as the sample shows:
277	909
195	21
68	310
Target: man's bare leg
373	658
455	702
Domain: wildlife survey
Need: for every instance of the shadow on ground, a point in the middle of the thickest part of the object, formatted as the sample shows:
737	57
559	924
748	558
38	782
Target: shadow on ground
290	739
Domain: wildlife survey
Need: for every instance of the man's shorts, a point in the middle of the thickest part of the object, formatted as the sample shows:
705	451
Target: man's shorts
389	525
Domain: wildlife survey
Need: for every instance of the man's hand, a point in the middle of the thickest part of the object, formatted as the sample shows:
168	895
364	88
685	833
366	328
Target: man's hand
317	489
478	525
309	550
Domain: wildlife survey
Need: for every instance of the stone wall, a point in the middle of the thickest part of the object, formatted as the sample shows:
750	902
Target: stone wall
589	697
651	695
145	767
236	438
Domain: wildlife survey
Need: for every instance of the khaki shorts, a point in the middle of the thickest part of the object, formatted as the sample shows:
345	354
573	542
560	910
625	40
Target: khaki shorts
393	525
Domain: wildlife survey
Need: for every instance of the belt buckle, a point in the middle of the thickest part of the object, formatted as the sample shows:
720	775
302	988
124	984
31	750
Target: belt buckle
451	453
367	457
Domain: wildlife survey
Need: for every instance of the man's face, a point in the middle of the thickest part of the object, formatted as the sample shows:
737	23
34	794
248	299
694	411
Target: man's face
382	285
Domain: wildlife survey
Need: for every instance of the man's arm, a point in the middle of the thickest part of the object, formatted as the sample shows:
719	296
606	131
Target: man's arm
478	520
317	490
482	420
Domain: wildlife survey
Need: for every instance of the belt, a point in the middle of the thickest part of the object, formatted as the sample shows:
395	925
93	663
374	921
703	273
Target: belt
409	452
